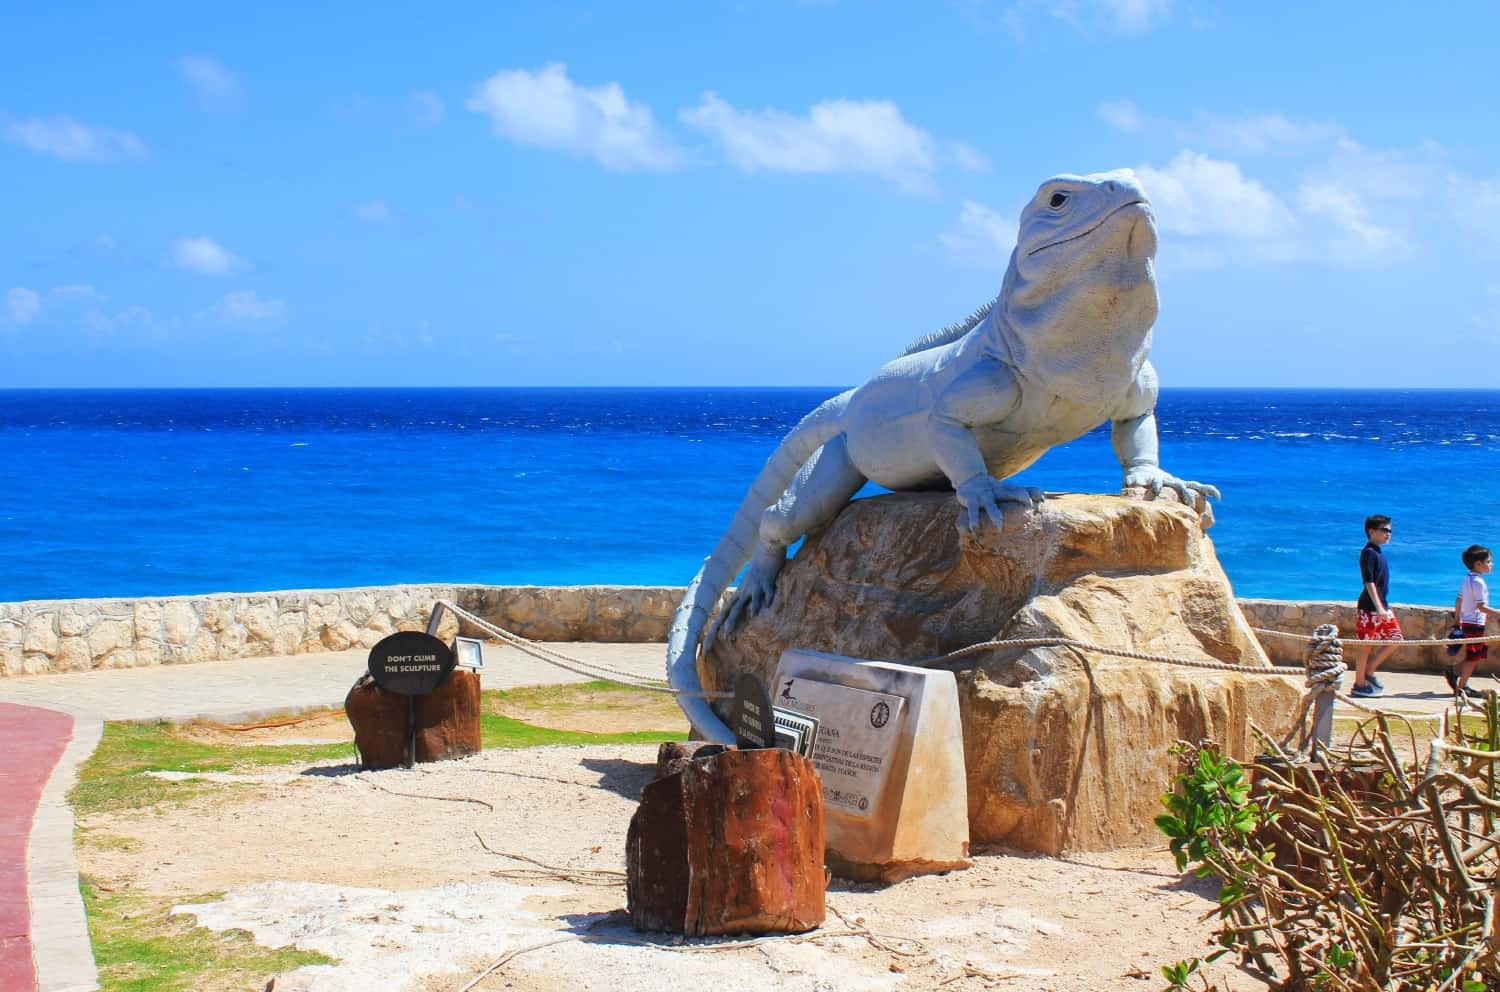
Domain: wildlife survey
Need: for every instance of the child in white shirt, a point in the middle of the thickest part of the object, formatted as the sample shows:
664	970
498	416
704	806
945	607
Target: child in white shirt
1471	610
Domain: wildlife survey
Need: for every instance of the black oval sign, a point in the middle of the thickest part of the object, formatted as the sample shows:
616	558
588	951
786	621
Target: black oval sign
750	714
410	662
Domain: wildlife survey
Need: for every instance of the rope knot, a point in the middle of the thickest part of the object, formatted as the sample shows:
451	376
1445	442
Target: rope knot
1325	661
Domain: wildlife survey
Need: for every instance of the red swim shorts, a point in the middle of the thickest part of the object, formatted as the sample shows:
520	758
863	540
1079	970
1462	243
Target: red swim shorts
1475	652
1375	627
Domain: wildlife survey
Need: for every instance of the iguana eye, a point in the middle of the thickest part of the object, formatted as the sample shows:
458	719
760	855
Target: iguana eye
1058	199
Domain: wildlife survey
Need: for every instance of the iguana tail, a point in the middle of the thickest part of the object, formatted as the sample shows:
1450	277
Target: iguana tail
733	550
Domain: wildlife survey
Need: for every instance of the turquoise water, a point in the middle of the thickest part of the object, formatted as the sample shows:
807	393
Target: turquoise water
161	492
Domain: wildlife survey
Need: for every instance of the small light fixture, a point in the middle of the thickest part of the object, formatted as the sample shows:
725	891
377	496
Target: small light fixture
467	653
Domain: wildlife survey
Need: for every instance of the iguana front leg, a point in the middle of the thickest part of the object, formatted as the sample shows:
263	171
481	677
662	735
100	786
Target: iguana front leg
1134	442
986	394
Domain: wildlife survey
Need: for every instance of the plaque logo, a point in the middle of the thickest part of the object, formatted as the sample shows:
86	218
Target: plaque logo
786	691
879	714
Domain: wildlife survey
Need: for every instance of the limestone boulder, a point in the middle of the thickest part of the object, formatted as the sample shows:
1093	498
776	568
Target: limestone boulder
1065	750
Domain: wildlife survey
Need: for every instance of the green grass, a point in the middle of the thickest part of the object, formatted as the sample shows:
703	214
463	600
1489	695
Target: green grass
497	731
112	778
140	947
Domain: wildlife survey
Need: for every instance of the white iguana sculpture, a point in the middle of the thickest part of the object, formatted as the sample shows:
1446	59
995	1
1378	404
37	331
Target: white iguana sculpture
1059	352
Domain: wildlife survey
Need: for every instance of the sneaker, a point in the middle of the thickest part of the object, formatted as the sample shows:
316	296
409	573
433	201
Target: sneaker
1379	685
1452	677
1474	693
1364	689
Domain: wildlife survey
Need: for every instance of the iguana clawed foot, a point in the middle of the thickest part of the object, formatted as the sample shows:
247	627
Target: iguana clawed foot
982	495
1194	494
754	593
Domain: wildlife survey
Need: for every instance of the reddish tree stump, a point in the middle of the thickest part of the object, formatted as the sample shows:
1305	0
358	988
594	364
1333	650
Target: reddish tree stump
447	721
732	843
448	718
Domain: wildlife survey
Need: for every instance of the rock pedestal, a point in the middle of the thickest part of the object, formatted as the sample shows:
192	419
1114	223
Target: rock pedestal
731	843
447	721
1064	750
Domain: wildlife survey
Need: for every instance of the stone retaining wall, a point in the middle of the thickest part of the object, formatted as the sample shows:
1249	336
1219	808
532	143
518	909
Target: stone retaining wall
1300	617
80	634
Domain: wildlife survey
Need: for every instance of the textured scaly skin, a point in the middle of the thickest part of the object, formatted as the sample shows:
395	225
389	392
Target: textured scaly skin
1060	351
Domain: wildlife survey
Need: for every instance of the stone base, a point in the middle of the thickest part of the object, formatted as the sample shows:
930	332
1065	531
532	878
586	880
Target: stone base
732	843
889	873
1063	750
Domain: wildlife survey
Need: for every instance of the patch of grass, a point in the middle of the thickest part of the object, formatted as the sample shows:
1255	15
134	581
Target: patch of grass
111	779
140	947
93	839
577	695
499	731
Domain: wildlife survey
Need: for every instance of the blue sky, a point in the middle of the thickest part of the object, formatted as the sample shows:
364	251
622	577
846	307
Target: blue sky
737	193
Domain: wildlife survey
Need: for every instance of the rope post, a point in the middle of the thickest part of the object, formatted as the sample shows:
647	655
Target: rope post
1325	670
436	619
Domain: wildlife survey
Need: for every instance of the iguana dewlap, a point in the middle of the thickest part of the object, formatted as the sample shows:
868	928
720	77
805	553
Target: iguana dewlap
1061	350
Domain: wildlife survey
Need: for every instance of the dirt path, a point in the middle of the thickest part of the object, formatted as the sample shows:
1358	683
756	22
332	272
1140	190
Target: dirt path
402	891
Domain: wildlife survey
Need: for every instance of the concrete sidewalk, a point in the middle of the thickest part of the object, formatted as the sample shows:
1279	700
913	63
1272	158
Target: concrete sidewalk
251	689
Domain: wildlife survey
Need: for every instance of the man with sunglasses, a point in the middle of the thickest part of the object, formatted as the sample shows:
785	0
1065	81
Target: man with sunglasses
1374	620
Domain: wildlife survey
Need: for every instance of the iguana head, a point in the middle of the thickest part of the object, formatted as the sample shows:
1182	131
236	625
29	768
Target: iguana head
1079	296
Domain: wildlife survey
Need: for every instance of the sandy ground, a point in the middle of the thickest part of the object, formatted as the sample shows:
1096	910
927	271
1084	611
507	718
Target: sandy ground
388	873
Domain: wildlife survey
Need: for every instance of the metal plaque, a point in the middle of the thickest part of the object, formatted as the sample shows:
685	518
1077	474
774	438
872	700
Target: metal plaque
410	662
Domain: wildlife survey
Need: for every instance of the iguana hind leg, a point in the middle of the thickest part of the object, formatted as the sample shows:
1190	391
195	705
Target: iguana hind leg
818	492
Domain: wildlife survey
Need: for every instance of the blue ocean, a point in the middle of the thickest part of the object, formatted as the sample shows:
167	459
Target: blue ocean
163	492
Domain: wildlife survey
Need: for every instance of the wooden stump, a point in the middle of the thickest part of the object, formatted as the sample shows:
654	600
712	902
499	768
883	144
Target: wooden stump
732	843
447	721
448	718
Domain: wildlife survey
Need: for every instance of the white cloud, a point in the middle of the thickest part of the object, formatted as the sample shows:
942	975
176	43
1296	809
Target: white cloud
1122	16
22	305
1197	195
205	256
835	136
245	307
1133	16
1260	133
427	108
1124	115
969	158
1220	215
214	86
546	109
372	212
99	324
65	138
1344	210
982	237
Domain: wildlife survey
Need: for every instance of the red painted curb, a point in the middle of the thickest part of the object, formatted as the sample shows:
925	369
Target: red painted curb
31	741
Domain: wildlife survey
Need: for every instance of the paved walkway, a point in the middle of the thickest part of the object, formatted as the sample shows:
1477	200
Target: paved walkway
258	688
32	739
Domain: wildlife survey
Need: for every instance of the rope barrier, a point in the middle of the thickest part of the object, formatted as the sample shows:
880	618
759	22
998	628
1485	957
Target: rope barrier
1324	679
1428	643
578	666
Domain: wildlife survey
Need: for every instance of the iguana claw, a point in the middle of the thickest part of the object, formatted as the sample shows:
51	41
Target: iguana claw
982	495
1194	494
754	593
